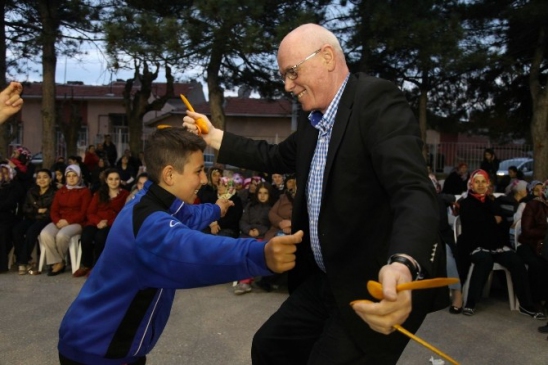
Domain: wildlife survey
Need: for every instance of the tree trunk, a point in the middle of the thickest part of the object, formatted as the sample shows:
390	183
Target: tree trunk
539	123
50	24
215	93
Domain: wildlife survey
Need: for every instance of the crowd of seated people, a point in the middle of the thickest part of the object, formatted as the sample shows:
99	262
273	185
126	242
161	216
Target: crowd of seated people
57	206
262	209
488	224
54	205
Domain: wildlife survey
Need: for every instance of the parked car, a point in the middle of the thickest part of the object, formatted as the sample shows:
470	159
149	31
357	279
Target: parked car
523	164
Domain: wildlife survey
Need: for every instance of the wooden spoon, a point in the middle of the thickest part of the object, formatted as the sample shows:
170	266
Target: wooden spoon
375	288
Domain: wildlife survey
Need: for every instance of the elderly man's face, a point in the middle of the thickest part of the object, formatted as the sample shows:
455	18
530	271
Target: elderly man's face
310	85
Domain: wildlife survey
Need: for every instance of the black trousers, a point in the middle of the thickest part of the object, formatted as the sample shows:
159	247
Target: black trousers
66	361
25	235
483	264
308	329
537	270
93	242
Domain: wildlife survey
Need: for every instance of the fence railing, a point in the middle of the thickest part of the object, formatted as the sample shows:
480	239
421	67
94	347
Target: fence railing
445	156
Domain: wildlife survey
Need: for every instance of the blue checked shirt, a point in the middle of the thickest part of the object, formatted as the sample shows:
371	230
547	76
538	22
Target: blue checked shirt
317	167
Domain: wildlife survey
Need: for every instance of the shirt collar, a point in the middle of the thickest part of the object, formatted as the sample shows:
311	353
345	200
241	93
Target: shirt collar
328	118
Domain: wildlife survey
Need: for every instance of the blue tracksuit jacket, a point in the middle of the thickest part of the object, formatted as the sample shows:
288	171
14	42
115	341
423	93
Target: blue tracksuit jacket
153	248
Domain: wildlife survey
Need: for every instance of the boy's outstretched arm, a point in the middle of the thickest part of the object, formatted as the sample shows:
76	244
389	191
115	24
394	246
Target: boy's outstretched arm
10	101
280	252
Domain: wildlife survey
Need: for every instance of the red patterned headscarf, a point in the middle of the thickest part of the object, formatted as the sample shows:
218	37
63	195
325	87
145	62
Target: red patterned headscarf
480	197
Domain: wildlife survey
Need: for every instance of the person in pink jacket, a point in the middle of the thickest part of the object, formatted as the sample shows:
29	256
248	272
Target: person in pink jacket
68	214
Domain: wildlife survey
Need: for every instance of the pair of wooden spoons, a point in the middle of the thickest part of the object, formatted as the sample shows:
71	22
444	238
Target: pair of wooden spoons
375	289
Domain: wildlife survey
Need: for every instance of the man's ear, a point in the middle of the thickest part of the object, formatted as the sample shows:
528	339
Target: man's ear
328	56
167	175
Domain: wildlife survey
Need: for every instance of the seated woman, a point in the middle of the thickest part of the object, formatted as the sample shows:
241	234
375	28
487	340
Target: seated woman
280	214
36	215
254	223
68	213
484	241
534	225
280	224
127	172
105	205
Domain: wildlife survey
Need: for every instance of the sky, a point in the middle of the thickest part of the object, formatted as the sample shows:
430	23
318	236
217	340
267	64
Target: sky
90	68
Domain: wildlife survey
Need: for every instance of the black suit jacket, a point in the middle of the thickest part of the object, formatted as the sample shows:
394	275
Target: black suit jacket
377	199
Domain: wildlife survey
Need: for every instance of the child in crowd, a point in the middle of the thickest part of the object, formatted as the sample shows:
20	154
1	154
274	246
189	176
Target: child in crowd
142	178
155	247
254	223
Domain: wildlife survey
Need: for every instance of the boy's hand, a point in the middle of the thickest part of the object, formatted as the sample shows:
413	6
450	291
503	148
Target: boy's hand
280	252
224	204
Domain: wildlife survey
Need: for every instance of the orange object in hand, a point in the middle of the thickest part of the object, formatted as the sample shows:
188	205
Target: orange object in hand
375	289
200	123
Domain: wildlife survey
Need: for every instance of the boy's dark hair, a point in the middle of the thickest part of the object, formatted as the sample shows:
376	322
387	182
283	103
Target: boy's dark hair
170	146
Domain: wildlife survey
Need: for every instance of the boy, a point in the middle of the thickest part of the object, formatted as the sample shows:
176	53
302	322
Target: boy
154	247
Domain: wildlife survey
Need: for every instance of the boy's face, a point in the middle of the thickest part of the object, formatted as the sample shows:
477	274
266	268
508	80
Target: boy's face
186	184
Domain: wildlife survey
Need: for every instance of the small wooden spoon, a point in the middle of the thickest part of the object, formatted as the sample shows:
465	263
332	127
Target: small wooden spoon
375	288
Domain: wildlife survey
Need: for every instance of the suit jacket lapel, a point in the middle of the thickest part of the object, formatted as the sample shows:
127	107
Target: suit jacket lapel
339	127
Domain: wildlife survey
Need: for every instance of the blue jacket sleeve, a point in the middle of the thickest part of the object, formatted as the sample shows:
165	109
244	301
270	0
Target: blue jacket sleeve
197	216
175	256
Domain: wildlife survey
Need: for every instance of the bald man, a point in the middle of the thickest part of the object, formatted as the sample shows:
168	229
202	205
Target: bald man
364	201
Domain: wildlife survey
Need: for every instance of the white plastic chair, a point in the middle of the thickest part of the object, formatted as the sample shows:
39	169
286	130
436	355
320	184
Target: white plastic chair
513	301
75	253
517	232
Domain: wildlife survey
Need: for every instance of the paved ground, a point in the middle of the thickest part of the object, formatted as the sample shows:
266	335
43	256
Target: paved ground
213	326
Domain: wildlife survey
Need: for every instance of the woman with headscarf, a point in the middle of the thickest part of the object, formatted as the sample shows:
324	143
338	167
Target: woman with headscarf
484	241
68	214
534	189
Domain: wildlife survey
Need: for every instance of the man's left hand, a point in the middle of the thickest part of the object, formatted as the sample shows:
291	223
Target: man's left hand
394	308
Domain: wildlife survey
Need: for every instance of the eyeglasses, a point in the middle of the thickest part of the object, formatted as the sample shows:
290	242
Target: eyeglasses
291	72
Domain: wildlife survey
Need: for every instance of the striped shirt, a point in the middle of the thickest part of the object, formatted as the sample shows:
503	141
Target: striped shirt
317	168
